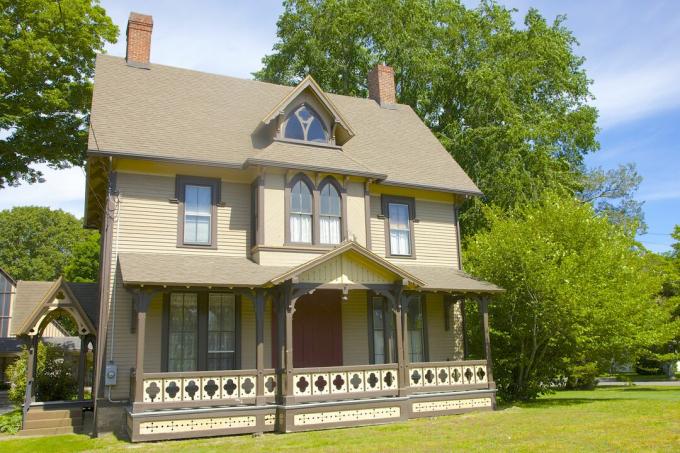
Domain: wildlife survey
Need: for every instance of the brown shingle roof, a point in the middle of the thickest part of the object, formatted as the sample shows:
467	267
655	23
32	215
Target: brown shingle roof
29	294
220	271
177	114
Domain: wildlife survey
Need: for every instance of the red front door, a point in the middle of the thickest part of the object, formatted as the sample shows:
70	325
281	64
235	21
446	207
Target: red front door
317	330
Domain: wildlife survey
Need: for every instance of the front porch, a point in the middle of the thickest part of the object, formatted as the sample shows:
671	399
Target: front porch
311	353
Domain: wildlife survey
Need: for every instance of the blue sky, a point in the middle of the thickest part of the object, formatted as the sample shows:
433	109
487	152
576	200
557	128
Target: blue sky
632	52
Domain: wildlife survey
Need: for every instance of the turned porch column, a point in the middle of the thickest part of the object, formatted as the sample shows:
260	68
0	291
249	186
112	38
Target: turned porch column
259	345
484	319
31	365
82	365
142	300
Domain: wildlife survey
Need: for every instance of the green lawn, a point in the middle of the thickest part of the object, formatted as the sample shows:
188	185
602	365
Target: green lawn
608	419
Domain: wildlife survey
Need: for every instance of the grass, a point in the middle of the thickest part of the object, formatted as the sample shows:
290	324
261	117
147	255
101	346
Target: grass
607	419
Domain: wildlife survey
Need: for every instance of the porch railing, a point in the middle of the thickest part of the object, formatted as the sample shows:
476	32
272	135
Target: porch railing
429	376
345	382
230	387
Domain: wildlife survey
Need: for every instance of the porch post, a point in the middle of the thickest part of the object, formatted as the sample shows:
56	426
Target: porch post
404	382
259	345
289	307
82	362
484	318
31	365
142	301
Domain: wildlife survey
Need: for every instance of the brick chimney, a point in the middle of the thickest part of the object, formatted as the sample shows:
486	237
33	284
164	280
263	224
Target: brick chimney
139	40
381	86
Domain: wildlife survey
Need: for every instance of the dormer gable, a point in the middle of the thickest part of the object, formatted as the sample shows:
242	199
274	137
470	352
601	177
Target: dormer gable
306	114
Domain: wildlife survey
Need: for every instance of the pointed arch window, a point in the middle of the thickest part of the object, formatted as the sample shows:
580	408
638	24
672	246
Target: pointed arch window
301	213
304	123
330	215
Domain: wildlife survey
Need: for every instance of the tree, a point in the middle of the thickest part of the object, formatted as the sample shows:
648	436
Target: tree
676	245
509	103
580	293
37	243
47	53
612	193
54	378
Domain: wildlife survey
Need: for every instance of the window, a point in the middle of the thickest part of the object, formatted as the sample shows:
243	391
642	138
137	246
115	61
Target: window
399	214
305	124
182	332
329	228
301	213
416	331
201	331
221	331
378	315
197	214
197	198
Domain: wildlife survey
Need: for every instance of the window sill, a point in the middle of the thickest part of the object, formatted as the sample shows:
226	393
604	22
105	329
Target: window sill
197	246
306	143
293	247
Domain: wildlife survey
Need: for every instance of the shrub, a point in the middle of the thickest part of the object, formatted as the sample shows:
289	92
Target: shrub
10	423
54	379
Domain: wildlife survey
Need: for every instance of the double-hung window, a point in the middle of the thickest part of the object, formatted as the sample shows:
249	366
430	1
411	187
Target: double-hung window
221	331
198	198
301	213
379	324
330	215
416	331
182	332
201	332
399	214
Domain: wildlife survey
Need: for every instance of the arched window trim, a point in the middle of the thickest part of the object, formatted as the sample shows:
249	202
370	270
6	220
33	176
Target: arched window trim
300	177
316	208
341	194
324	123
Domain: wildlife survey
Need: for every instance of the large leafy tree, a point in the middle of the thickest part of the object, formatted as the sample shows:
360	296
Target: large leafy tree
510	103
38	243
580	294
47	53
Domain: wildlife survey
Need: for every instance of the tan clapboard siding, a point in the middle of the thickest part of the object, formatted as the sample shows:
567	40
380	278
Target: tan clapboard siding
347	269
435	234
154	335
284	258
274	209
442	344
148	221
355	329
121	344
52	331
356	216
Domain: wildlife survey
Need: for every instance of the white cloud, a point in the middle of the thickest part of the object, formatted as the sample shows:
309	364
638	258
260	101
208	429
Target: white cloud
635	92
62	189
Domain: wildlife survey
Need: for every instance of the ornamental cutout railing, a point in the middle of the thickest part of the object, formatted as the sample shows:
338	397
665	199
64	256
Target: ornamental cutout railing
345	382
430	376
225	386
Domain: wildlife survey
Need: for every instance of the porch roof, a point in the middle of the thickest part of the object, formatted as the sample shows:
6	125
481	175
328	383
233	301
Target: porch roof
157	269
172	269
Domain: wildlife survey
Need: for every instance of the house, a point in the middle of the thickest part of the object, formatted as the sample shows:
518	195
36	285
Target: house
274	258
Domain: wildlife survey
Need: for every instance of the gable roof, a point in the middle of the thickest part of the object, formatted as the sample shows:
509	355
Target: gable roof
32	296
349	246
174	114
309	84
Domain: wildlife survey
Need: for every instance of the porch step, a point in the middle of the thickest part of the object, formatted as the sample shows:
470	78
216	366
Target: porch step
53	423
53	419
51	431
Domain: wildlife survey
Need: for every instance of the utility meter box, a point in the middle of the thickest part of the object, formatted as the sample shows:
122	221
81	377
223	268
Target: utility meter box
111	374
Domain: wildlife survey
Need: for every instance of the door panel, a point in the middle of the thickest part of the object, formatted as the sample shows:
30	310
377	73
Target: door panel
317	330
